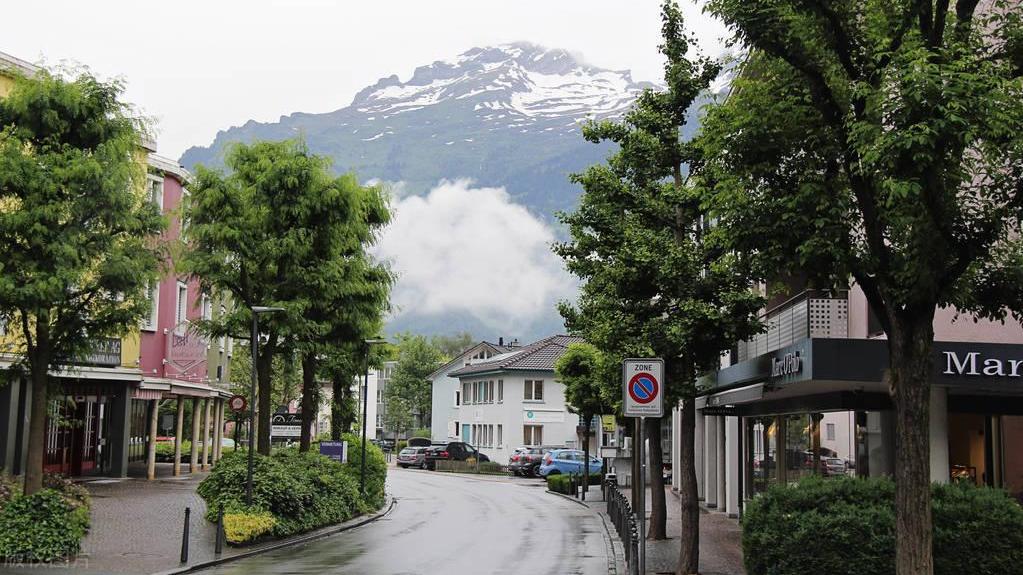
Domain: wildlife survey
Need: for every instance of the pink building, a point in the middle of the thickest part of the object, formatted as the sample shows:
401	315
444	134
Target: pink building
177	363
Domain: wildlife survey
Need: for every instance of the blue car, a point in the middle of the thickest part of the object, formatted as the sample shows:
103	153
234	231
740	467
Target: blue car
566	461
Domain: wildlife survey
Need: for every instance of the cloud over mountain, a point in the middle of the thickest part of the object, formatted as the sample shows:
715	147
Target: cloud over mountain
470	250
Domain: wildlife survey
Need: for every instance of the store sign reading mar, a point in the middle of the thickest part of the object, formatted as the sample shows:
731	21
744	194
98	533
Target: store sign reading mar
643	387
968	364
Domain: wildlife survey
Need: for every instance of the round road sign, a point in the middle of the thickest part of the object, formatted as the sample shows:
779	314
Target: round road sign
643	387
237	403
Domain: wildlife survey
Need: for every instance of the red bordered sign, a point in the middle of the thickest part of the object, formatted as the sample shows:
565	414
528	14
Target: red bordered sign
237	403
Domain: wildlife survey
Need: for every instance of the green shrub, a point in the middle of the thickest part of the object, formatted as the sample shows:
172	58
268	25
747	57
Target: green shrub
376	469
400	445
165	450
302	491
241	528
847	526
562	483
45	526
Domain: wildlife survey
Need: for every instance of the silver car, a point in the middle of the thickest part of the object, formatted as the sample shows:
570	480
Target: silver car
412	457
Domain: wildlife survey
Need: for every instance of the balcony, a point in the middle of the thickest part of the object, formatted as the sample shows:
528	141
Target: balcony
809	314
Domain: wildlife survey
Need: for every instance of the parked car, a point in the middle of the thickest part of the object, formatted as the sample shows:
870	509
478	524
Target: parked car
412	457
386	445
527	462
835	466
452	451
517	460
566	461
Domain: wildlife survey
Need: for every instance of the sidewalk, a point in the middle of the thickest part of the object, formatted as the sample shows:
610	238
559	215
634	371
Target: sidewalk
137	526
720	538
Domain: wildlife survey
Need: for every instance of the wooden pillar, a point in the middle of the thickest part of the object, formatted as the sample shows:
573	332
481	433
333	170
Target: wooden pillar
154	417
193	461
179	431
206	433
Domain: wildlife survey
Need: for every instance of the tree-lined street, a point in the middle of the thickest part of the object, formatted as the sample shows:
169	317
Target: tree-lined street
456	525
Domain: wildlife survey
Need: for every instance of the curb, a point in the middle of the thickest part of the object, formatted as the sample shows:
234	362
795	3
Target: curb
609	539
297	540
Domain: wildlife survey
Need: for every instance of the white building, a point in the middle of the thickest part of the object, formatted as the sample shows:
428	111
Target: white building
446	390
374	409
512	399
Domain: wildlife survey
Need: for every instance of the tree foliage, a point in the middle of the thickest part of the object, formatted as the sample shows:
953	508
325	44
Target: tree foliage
879	141
408	398
77	234
653	284
281	230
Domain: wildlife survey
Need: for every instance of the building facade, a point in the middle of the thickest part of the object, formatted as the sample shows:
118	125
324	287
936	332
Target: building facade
446	391
808	397
512	399
103	415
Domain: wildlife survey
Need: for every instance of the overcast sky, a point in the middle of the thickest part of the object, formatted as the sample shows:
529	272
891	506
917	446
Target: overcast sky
199	67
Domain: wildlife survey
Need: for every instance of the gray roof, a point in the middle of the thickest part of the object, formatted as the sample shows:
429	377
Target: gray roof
8	62
537	356
493	347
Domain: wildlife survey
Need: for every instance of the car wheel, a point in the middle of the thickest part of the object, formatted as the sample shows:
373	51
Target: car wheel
403	466
423	466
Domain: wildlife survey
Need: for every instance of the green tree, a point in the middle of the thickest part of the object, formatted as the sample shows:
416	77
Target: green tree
249	232
451	345
585	372
77	234
879	141
653	284
409	393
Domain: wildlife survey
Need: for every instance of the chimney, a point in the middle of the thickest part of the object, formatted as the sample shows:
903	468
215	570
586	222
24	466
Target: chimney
500	341
514	343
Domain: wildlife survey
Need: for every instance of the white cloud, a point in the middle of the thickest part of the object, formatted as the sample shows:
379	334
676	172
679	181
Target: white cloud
467	249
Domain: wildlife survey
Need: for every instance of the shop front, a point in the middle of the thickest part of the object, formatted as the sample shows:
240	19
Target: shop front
820	407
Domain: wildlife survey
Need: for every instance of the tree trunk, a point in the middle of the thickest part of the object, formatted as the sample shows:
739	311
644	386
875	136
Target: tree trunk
36	428
909	377
309	402
39	366
586	456
264	410
658	509
689	549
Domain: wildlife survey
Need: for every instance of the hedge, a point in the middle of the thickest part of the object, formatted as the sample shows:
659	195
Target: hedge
562	483
847	526
46	526
297	491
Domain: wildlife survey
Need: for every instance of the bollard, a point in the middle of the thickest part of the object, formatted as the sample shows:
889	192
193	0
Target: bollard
218	546
184	536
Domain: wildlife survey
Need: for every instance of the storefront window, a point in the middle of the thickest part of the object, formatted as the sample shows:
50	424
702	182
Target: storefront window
762	434
1012	454
799	446
875	443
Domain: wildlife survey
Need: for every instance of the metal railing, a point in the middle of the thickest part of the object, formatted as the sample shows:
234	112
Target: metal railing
624	520
808	314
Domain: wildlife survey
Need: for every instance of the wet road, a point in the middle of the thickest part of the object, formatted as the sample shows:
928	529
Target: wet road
453	525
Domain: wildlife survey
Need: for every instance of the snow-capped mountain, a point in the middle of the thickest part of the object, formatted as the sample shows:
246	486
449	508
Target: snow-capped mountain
507	116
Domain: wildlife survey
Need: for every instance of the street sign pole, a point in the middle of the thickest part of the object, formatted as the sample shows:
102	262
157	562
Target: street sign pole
642	397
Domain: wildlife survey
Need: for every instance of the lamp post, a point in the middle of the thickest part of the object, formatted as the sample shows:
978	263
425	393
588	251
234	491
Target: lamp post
256	310
365	408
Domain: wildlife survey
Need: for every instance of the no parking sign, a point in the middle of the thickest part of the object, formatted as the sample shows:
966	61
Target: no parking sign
643	387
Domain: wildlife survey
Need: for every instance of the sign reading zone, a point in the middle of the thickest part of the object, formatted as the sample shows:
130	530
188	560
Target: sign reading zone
642	393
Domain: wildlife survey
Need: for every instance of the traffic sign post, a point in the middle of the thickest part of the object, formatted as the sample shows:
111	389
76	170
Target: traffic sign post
642	397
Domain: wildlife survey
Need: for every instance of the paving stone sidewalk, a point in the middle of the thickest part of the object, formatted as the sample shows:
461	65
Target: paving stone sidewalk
137	526
720	538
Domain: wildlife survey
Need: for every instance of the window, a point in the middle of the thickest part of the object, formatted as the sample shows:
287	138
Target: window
490	391
466	393
532	435
207	307
155	189
181	309
380	396
533	390
500	435
150	322
223	339
230	346
458	398
500	392
475	392
830	429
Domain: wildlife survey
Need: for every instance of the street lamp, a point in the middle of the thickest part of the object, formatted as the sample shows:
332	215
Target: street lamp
365	408
256	310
